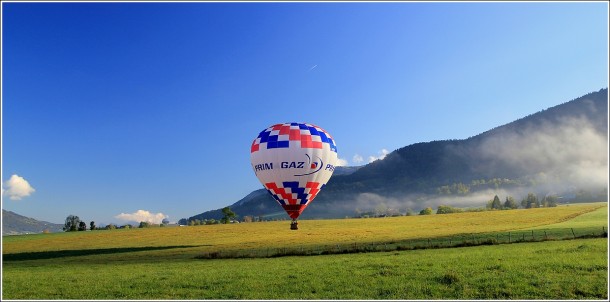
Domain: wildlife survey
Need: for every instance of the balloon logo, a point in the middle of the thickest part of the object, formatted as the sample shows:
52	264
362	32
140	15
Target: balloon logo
293	161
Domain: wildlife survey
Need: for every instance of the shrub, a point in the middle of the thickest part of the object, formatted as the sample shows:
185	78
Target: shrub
426	211
447	210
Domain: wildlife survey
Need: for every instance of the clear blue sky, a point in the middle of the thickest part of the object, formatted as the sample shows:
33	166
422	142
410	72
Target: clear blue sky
111	108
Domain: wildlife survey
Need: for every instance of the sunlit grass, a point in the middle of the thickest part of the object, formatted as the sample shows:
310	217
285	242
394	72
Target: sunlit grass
571	269
598	217
160	263
194	240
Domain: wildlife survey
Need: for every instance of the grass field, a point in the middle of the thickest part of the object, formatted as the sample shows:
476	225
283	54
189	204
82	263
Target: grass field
593	218
160	263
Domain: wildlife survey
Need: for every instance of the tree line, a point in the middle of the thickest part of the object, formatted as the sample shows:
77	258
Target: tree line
529	202
73	224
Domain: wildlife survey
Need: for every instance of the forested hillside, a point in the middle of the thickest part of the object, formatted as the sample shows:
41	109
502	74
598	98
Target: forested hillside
561	151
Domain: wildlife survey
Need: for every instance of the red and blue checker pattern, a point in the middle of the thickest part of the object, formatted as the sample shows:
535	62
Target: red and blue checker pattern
287	134
291	193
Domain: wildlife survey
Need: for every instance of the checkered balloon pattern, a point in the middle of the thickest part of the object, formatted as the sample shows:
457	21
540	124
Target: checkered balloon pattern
283	135
293	161
291	193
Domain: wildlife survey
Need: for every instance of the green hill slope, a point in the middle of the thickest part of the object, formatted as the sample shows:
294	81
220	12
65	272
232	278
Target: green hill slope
15	224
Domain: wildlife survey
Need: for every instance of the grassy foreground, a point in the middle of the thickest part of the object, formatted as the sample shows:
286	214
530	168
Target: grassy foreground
571	269
160	263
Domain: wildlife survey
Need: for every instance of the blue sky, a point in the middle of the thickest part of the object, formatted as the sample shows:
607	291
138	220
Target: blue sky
112	108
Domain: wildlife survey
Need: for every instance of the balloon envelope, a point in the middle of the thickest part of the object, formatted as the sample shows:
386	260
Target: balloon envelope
293	161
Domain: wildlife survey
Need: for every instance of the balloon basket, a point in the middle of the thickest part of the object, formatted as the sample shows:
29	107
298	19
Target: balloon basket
294	225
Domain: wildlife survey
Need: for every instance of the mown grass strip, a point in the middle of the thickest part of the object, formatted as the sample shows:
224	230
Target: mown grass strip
569	269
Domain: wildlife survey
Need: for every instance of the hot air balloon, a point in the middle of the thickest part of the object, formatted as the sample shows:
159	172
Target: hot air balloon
293	161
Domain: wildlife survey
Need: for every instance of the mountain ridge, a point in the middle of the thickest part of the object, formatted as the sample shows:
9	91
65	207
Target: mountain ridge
556	143
15	224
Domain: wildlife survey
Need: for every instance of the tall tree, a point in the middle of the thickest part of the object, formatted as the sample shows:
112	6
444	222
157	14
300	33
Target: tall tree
71	224
92	225
496	204
532	201
228	215
510	203
82	226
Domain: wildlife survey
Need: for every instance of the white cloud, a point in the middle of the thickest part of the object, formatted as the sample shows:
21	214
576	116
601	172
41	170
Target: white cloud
358	159
17	187
142	215
382	155
341	162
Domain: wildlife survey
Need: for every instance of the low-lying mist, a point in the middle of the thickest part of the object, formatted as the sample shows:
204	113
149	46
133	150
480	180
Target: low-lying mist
569	153
559	158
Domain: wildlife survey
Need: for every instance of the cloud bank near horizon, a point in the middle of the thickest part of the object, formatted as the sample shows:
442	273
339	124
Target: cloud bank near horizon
142	215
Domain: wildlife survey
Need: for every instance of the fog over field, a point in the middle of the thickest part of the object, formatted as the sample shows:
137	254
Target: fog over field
571	154
558	158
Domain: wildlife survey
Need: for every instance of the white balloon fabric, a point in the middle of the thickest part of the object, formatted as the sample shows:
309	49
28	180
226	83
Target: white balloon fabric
293	161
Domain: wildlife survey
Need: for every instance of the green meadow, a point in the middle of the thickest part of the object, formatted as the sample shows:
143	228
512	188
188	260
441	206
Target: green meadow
165	263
